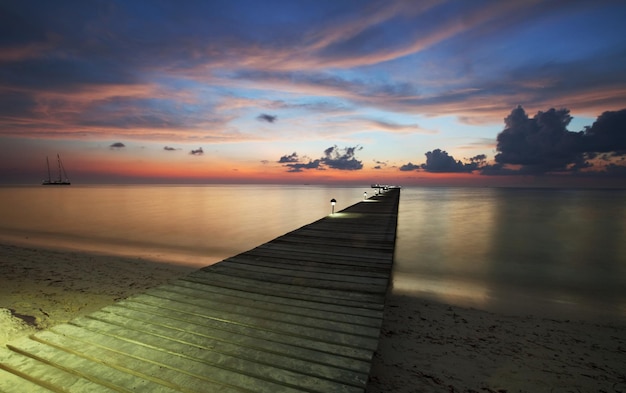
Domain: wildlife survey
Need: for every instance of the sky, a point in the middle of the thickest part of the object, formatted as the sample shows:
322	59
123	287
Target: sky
429	92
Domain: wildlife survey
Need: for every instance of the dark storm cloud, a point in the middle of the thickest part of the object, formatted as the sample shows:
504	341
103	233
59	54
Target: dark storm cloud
543	143
607	134
117	145
267	118
540	144
197	152
334	158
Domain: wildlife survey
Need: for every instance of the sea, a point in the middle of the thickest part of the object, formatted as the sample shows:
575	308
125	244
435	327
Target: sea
556	253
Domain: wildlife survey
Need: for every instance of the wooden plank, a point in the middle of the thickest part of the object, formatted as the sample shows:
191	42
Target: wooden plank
41	377
378	287
345	277
267	303
64	367
252	335
245	338
304	258
329	331
248	359
155	358
356	301
334	253
308	304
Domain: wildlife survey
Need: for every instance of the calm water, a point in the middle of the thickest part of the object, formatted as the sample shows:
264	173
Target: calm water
540	251
555	252
195	225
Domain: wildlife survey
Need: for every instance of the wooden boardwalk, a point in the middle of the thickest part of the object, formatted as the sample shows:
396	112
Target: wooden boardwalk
301	313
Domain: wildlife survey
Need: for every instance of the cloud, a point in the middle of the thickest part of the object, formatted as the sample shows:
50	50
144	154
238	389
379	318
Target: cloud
168	148
267	118
396	127
439	161
607	134
159	79
380	164
478	159
293	157
342	159
540	144
409	167
543	143
117	145
54	66
615	170
299	167
197	152
334	158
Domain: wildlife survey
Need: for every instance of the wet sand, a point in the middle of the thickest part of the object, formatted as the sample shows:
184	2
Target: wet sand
424	346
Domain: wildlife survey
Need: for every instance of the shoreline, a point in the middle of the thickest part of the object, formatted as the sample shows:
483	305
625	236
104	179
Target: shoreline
424	346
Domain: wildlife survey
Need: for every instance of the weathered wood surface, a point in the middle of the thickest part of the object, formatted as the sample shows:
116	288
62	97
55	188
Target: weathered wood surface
301	313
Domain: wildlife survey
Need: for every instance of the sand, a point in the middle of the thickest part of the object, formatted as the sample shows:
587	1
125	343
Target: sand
432	347
40	288
424	346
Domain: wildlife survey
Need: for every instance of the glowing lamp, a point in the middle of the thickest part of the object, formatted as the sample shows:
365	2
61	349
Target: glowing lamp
332	205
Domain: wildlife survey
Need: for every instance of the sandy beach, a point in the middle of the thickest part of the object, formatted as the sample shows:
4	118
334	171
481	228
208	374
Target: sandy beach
45	287
424	346
432	347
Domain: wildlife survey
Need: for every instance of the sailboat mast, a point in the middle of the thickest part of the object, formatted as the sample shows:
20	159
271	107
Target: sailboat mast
59	165
62	173
62	179
48	166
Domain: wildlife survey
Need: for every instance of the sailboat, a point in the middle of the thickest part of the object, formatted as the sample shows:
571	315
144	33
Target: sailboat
59	181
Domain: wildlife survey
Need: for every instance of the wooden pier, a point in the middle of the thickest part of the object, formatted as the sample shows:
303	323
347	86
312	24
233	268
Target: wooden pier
301	313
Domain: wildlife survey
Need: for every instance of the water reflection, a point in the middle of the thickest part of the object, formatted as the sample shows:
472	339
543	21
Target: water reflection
558	251
520	251
195	225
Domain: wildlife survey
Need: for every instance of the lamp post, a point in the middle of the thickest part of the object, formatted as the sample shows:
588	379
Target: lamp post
365	195
332	206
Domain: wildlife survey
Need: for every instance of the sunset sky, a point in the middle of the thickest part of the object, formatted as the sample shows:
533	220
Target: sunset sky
298	91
